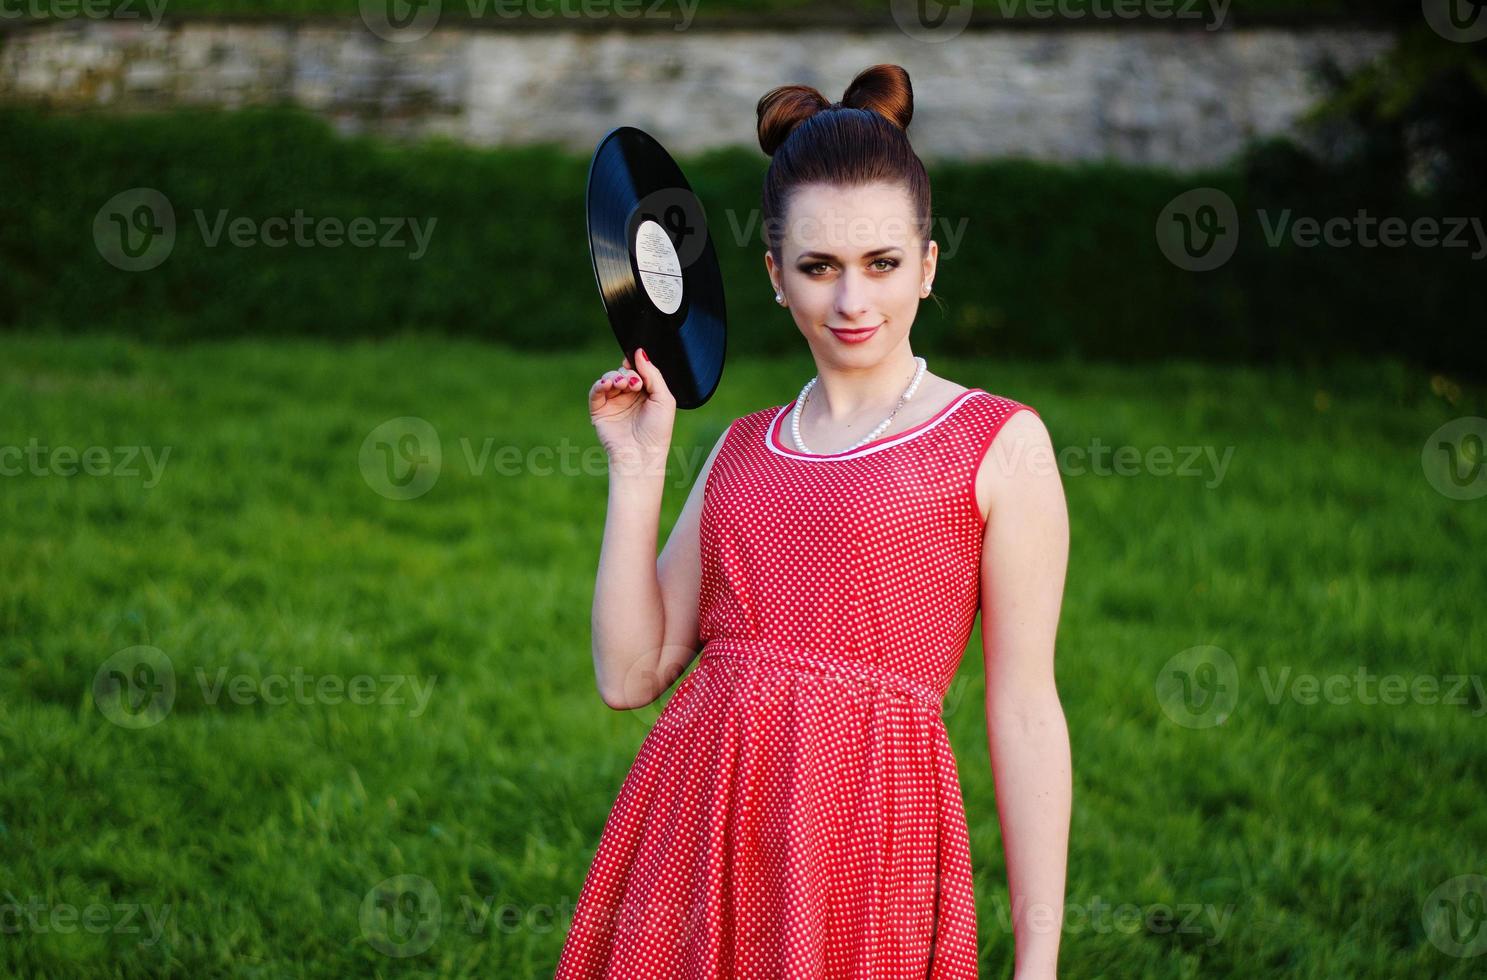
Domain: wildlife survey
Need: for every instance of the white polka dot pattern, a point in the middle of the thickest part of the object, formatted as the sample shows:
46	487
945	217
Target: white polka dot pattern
796	810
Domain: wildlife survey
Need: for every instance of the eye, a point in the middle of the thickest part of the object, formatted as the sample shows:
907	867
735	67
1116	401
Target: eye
892	264
810	270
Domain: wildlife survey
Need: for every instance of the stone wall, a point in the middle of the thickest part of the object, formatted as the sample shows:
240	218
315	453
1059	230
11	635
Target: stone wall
1139	94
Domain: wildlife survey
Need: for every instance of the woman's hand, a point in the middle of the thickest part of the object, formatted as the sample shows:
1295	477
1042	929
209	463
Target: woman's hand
633	412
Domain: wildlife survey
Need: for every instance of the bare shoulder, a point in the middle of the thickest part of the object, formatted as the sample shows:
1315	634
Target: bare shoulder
1020	460
934	395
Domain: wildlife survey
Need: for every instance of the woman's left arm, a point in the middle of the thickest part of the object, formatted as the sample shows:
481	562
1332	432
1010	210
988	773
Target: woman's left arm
1024	558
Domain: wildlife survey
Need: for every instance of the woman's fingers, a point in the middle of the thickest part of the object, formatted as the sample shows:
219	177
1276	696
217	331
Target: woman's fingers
625	380
615	381
654	382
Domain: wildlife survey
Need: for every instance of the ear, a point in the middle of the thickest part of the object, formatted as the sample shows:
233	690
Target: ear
769	267
931	261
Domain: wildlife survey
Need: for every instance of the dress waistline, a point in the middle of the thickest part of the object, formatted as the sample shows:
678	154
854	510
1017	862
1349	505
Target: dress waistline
822	663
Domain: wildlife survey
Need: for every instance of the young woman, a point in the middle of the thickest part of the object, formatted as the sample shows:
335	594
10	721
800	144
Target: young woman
795	811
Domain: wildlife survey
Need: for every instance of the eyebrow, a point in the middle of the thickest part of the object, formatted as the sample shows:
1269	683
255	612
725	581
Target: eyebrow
828	255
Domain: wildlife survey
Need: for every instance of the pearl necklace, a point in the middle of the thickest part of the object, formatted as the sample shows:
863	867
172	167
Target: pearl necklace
805	392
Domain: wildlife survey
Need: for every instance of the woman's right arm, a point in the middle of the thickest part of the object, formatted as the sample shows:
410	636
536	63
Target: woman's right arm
645	608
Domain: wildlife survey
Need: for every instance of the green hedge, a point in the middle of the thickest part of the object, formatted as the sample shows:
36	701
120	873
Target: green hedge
1055	261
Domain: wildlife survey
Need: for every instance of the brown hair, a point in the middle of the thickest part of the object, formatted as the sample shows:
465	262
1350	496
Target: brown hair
860	140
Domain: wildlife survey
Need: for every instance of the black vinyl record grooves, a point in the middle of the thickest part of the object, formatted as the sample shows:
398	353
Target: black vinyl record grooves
654	263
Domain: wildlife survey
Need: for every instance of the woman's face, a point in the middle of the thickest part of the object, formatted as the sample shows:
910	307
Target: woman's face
852	269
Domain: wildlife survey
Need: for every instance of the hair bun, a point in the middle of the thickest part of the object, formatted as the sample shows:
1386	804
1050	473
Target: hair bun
884	89
782	109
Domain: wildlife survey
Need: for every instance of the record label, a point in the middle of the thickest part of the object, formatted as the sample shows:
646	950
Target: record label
655	264
660	269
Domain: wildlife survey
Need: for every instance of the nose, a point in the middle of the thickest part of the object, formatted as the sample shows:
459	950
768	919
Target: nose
851	295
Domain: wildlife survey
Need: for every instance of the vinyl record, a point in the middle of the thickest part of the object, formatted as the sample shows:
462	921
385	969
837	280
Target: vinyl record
654	263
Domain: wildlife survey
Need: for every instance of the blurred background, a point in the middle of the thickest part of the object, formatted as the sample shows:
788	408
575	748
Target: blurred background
300	505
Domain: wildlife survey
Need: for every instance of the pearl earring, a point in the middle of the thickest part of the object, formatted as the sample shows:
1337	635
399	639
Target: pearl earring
778	298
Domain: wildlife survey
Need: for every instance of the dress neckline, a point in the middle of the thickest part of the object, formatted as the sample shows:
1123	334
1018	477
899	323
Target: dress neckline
773	440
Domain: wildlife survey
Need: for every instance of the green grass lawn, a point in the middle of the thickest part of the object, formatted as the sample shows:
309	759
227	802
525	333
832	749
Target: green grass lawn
245	830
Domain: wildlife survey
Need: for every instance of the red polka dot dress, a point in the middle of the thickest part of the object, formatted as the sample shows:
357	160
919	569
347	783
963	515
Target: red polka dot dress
795	810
